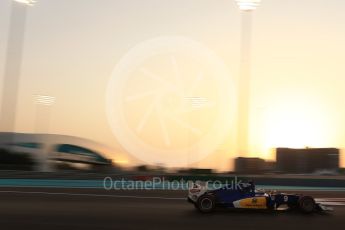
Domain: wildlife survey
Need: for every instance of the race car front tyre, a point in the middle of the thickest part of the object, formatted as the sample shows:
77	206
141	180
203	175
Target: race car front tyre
307	204
206	203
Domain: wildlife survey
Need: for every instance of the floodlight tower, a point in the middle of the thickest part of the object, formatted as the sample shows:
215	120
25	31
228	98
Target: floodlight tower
27	2
246	7
13	64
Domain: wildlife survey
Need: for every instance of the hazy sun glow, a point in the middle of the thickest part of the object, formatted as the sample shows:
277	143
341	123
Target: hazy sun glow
294	123
294	130
121	162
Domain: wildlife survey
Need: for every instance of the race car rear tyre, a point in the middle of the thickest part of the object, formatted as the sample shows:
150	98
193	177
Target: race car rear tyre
206	203
307	204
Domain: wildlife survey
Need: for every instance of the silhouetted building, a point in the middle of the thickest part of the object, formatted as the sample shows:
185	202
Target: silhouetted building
202	171
270	166
307	160
249	165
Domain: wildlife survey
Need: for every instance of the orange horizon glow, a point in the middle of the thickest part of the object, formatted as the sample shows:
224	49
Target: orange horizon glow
297	72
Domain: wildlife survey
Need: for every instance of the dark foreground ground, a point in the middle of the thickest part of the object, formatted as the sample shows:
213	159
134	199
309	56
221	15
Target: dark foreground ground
38	208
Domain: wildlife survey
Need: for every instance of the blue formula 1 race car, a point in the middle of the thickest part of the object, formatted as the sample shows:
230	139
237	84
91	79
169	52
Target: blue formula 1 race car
245	196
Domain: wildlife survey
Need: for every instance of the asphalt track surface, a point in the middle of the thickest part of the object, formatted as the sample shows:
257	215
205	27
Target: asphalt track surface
44	208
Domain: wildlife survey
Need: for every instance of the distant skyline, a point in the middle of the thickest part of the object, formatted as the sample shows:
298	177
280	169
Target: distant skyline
298	75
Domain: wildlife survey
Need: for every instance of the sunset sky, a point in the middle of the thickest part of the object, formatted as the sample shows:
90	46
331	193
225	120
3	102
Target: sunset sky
297	84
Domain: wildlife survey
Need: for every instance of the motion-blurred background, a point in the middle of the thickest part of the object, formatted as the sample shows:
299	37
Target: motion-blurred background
284	62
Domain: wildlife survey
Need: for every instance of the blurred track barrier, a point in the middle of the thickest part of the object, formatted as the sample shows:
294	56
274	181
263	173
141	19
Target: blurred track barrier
51	183
136	185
